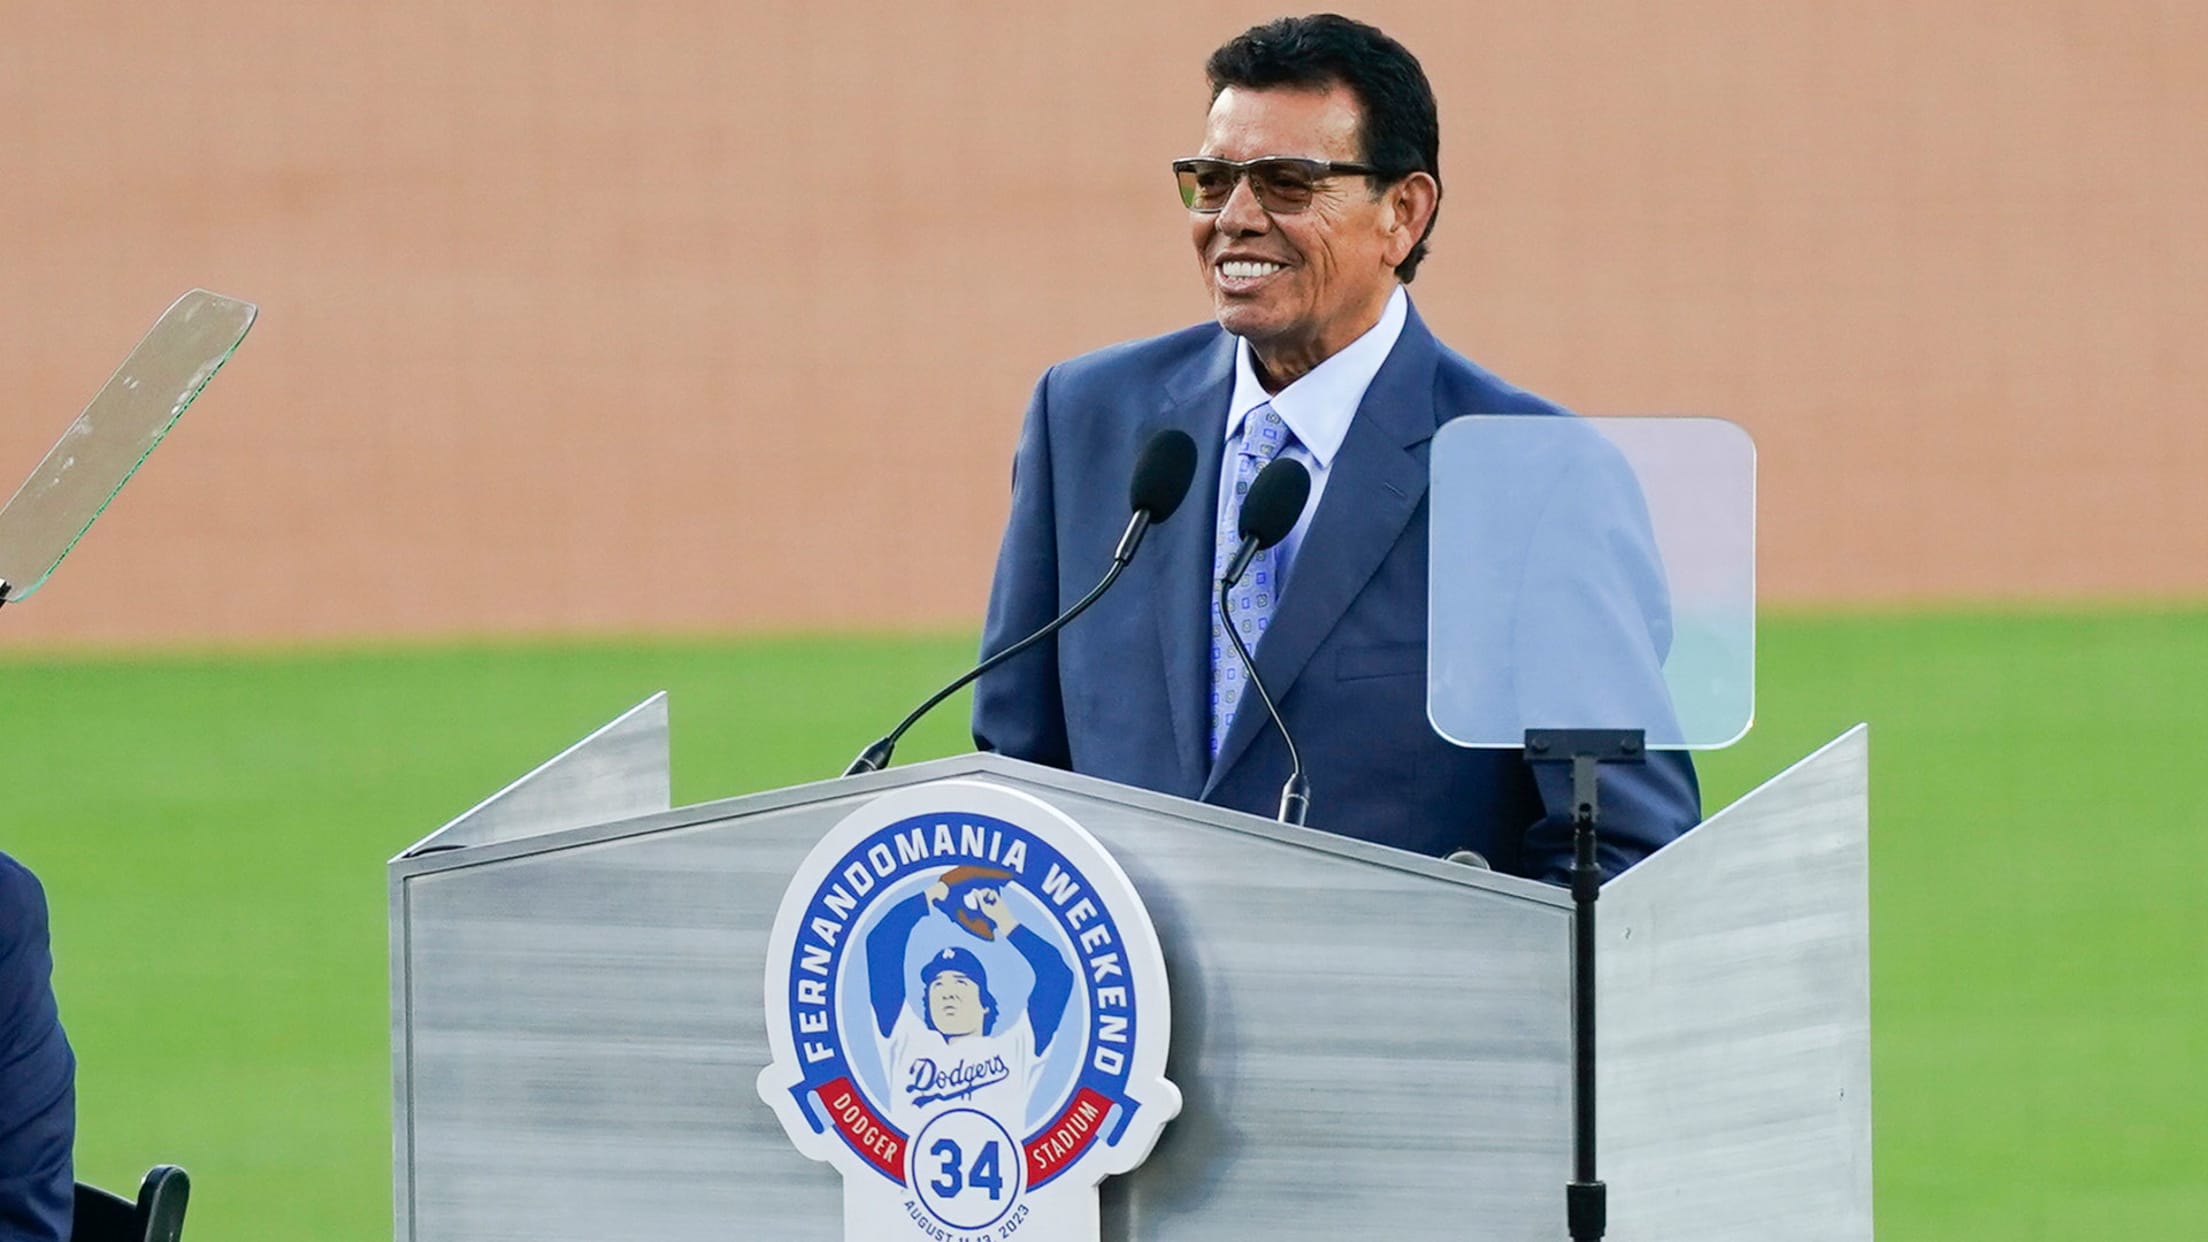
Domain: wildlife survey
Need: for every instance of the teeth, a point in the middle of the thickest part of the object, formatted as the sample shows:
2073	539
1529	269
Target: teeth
1247	270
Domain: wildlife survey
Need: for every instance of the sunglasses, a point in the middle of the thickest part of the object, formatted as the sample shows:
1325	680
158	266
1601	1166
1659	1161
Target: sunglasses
1283	184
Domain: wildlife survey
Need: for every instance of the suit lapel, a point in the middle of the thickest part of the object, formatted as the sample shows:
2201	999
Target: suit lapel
1180	566
1372	489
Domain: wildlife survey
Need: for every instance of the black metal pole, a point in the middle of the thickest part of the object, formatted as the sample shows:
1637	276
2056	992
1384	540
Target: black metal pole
1586	1199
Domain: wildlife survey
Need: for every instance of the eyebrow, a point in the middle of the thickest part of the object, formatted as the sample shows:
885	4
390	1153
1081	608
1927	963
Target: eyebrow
1272	155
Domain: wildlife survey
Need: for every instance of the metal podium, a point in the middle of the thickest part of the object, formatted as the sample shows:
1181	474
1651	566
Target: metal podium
1369	1043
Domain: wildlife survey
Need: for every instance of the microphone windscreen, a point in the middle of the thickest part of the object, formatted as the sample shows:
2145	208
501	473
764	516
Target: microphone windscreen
1162	474
1275	501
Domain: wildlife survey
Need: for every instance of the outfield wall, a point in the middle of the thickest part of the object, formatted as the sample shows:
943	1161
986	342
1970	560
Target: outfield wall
702	315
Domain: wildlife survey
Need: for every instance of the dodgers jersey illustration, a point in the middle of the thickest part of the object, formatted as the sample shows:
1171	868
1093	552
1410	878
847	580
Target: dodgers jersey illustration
955	1042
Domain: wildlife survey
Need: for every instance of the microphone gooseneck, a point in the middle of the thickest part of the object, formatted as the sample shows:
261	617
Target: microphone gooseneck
1161	480
1270	510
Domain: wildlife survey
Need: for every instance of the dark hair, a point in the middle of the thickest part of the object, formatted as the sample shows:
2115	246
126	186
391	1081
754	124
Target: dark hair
1397	127
966	964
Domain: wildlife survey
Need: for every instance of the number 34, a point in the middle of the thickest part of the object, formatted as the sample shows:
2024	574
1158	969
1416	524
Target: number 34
955	1175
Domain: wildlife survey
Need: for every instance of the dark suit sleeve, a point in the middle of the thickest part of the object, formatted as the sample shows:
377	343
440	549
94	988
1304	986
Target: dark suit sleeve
1643	808
885	958
1018	709
37	1071
1595	627
1046	1000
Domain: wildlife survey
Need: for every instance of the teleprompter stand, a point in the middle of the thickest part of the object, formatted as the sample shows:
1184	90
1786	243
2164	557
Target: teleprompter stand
1586	1203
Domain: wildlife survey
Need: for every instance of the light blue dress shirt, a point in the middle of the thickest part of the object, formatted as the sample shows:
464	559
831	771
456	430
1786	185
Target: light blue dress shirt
1317	407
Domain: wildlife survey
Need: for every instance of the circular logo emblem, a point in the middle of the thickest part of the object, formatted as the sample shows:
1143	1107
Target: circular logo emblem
962	990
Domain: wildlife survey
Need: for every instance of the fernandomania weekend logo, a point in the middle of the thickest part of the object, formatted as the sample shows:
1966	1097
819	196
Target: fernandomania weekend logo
968	1013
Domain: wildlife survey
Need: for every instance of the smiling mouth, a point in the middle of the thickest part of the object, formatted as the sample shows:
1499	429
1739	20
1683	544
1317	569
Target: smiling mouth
1248	269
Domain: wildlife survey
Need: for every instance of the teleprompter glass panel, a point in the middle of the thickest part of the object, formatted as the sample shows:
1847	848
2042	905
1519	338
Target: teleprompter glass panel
104	447
1592	573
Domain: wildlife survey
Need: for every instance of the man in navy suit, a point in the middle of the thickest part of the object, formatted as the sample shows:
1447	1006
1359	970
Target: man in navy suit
1309	205
37	1071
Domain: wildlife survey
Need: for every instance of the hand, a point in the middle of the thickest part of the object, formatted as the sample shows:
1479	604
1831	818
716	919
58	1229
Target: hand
995	909
938	893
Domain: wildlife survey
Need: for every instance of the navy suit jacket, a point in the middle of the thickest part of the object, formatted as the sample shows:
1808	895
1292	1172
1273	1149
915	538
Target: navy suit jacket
1123	692
37	1071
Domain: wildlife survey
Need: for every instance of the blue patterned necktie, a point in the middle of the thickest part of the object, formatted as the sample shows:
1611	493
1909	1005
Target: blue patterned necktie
1252	599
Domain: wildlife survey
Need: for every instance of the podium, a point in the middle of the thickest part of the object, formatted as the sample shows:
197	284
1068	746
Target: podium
1368	1043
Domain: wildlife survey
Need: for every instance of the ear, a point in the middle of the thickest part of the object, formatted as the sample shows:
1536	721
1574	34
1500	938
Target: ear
1410	205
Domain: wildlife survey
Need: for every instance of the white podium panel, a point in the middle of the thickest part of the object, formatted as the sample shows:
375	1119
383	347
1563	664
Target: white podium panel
1368	1043
1361	1036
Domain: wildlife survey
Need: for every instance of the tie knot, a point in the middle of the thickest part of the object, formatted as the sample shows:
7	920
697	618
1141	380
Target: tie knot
1264	435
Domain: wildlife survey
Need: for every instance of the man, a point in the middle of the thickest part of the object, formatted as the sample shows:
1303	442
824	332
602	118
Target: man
1309	204
37	1071
960	1049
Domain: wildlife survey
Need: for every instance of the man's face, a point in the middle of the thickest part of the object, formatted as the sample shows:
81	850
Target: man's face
954	1003
1301	286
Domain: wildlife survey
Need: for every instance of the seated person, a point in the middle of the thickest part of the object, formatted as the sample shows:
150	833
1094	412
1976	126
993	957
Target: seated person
37	1072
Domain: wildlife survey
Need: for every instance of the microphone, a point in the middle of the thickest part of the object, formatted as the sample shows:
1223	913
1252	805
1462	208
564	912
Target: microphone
1162	476
1163	472
1270	510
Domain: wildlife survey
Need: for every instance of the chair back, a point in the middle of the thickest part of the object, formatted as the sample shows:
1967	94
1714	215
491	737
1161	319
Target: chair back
157	1216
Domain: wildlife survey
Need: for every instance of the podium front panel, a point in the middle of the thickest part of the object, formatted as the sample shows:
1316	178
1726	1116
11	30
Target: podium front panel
1368	1043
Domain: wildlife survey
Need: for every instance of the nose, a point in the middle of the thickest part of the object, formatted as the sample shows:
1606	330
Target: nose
1243	215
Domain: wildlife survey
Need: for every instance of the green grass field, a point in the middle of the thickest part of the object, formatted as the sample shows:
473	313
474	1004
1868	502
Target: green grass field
212	830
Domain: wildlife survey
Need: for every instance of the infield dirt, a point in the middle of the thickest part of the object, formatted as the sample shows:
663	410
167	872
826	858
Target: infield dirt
703	316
